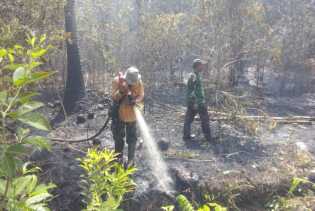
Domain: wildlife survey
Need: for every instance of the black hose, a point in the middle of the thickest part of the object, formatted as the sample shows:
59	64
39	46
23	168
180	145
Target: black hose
85	139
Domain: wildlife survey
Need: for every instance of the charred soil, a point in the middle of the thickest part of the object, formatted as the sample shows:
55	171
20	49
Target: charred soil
241	171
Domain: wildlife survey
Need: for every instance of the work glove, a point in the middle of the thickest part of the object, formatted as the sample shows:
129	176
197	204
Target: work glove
131	100
123	88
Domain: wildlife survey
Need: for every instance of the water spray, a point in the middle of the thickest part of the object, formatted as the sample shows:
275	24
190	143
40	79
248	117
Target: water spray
156	162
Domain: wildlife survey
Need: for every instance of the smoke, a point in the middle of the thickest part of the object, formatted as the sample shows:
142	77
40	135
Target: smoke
156	162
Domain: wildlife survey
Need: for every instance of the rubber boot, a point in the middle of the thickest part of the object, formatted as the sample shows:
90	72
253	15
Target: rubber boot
120	158
131	155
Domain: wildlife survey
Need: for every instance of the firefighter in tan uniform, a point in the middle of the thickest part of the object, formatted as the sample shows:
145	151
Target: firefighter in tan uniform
127	92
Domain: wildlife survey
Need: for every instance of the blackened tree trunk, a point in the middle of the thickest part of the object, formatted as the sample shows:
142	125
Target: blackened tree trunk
74	89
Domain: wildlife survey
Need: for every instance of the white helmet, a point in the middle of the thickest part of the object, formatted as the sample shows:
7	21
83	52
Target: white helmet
132	76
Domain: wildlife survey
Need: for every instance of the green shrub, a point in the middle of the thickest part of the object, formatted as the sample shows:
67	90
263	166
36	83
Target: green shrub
106	181
185	205
297	182
19	188
300	188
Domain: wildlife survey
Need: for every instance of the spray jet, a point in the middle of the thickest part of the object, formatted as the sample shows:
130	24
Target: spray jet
153	156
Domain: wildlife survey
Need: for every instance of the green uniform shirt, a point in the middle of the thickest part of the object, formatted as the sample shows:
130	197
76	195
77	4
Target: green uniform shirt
195	92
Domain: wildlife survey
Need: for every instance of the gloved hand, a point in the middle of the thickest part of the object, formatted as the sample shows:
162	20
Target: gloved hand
123	88
131	100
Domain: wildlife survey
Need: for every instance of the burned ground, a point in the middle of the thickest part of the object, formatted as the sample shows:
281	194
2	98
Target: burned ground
241	171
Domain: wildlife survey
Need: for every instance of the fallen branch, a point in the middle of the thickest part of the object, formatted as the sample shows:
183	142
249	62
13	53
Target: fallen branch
291	119
221	116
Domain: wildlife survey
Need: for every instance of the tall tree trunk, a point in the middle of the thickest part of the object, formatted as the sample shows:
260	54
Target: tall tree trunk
74	89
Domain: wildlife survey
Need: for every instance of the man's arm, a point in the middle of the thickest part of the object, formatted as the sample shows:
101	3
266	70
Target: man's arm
118	92
191	87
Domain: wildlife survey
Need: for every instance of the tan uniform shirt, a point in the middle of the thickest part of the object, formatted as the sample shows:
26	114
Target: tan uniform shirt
126	111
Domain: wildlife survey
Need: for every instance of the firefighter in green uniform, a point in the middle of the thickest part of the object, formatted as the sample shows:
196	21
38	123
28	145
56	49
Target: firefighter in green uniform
196	103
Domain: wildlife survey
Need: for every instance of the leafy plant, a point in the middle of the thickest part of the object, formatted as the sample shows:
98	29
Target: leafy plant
106	181
212	207
296	182
185	205
299	187
168	208
25	193
19	188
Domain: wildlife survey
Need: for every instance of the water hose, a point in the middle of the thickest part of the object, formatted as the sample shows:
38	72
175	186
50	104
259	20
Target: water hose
62	140
84	139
